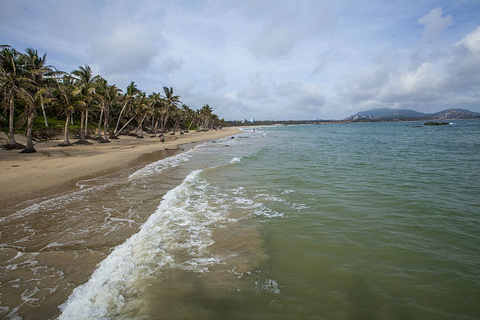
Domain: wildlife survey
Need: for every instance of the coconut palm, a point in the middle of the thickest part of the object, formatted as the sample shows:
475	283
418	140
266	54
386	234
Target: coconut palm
156	104
69	98
86	80
129	96
135	106
143	110
41	73
32	103
12	80
190	116
36	90
176	115
171	102
101	85
109	95
206	115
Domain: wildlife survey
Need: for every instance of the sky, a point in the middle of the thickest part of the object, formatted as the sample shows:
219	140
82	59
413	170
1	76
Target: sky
266	59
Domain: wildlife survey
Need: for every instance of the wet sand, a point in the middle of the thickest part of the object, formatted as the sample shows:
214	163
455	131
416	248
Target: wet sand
45	255
54	169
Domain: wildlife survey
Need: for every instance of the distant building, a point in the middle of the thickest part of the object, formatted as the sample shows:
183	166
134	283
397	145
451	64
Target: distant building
357	118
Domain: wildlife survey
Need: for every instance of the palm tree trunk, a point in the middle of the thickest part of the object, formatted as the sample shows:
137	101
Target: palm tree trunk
190	125
140	127
155	128
119	118
82	126
175	126
66	141
105	125
126	124
44	115
99	136
165	122
10	124
162	126
86	124
30	148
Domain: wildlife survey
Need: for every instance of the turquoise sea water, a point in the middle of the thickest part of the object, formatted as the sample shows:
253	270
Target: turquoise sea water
339	221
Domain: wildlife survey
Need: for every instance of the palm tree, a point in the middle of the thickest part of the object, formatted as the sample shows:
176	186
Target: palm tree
87	82
101	85
36	90
171	101
12	81
33	102
87	93
190	116
142	111
176	114
68	97
132	92
109	95
156	104
41	74
206	115
112	96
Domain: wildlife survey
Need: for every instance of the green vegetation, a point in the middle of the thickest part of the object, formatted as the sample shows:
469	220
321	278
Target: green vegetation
40	101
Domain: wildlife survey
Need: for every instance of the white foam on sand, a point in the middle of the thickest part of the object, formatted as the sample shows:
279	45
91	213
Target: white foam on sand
177	235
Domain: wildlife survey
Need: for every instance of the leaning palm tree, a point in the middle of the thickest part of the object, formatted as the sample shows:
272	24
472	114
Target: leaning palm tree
12	80
171	101
86	92
206	115
41	73
69	98
190	116
109	95
178	117
155	102
142	111
34	94
132	92
32	103
132	112
86	80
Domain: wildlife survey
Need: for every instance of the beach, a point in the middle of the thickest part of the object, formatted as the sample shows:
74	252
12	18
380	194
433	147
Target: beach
62	213
325	221
55	169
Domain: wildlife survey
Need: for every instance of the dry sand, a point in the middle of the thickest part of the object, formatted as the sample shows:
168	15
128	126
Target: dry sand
54	169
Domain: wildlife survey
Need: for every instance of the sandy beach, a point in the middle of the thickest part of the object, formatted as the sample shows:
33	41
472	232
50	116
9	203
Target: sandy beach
54	169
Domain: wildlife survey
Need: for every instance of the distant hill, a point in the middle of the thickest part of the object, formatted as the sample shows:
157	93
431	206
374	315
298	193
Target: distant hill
386	113
389	113
457	113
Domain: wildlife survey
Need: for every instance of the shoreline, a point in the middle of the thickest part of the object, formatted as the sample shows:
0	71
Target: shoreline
53	170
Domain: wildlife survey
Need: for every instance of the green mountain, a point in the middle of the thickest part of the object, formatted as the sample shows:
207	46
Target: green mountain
386	113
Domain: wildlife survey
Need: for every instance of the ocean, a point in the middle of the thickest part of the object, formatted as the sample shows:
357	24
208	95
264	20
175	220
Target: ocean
334	221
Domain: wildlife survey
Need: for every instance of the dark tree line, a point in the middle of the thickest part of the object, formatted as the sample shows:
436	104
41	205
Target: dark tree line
31	88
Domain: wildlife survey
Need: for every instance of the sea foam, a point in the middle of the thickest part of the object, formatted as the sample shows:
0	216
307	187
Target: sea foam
162	164
120	274
182	223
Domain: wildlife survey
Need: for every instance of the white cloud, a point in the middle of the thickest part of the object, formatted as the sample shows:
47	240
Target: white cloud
128	48
434	24
415	85
218	80
273	42
168	65
256	89
266	58
472	41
